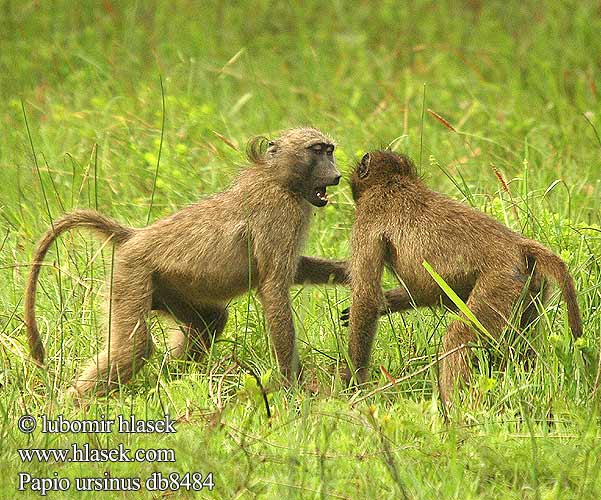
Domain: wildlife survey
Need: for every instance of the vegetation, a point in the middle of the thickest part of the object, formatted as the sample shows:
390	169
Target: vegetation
138	108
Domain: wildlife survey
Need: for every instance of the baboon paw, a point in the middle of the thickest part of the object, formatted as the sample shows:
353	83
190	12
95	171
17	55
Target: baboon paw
354	379
347	376
75	396
292	377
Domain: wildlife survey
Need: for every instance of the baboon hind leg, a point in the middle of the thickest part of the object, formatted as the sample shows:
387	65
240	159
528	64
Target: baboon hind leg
202	324
535	296
538	293
127	343
492	300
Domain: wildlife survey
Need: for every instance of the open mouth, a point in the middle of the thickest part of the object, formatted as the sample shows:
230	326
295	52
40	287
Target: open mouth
320	194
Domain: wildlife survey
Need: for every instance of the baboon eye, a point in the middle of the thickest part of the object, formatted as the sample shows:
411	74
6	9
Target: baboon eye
330	150
318	148
271	143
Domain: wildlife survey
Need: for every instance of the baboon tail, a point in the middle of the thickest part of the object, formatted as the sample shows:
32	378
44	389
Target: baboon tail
551	266
79	218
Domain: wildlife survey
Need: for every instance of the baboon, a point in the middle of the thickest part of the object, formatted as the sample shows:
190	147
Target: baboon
190	264
401	223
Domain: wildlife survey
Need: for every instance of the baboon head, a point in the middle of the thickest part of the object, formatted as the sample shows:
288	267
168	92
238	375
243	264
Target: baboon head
379	168
302	159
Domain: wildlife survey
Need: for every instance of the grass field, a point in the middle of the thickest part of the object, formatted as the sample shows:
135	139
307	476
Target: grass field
82	121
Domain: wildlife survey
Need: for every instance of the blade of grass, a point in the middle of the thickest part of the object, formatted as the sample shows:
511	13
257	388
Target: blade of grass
156	172
421	130
462	306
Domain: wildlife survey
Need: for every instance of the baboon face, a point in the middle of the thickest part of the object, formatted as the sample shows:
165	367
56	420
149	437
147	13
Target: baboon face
310	155
322	171
380	168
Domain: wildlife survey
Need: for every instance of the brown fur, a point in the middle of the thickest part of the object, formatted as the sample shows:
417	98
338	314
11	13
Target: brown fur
401	223
193	262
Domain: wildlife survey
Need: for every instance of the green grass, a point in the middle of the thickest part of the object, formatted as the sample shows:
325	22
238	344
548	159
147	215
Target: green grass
519	82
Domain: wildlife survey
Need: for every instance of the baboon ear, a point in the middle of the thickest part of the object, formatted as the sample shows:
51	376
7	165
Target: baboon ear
272	147
363	169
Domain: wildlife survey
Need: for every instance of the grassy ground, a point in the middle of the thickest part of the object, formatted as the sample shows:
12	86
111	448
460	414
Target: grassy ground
518	83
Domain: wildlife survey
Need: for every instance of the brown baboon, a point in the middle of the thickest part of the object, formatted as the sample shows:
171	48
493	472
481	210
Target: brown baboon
401	223
193	262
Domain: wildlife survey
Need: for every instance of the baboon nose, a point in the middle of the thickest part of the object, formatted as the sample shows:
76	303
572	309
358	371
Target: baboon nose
337	179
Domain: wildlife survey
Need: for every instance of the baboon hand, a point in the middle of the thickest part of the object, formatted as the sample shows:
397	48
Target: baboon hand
345	316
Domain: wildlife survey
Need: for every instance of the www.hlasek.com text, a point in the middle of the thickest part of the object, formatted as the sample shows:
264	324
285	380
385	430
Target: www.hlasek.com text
86	453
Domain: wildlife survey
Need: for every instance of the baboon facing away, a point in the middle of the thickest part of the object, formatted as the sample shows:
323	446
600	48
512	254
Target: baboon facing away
193	262
401	223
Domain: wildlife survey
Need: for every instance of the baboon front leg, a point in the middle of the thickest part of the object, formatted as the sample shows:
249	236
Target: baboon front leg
491	300
318	271
275	300
274	250
367	304
363	324
127	343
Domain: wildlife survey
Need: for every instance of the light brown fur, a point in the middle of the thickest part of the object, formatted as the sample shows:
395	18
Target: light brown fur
401	223
193	262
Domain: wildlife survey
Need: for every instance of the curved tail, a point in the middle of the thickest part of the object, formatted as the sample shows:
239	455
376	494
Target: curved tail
551	266
79	218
